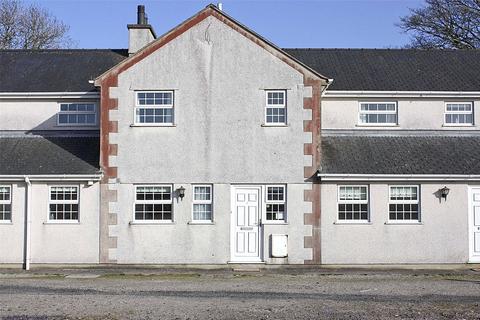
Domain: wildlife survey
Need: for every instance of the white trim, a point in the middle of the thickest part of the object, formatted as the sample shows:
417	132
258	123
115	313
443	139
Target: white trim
446	112
154	106
348	201
261	248
398	177
417	202
50	201
94	112
277	106
64	177
400	94
50	95
153	221
266	202
471	258
386	112
9	201
210	202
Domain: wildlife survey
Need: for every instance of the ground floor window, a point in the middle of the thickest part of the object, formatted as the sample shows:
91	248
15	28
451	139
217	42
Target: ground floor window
275	203
202	203
5	203
404	203
352	203
63	203
153	203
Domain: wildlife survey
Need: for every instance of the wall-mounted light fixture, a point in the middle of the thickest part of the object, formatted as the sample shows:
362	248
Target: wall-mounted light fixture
444	192
181	192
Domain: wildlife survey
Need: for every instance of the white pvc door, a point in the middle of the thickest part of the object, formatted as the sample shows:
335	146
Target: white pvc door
246	225
474	225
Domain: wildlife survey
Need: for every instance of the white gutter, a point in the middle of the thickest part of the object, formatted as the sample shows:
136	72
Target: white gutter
329	83
64	177
50	95
402	94
398	177
28	222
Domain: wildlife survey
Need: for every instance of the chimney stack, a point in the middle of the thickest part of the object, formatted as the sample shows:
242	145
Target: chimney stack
141	33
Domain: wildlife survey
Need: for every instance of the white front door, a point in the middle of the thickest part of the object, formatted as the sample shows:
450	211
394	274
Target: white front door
474	225
245	240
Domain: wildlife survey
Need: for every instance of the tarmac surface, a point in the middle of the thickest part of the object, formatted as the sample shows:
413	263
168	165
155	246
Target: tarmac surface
243	293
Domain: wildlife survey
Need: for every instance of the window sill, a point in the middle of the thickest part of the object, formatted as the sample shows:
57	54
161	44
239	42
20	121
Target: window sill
275	125
146	223
347	223
404	223
6	222
62	222
458	125
76	125
274	223
371	125
148	125
201	223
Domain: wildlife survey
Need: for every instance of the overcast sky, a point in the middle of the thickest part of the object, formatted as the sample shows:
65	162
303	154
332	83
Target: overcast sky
292	23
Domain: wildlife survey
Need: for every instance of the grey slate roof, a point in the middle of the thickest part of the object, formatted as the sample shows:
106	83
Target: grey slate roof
54	70
395	69
38	155
351	69
400	155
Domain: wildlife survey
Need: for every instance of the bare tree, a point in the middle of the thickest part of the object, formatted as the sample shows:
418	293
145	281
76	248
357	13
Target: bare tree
444	24
30	27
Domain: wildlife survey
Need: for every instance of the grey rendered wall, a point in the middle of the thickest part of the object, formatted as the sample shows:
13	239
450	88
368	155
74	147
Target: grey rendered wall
442	236
36	114
11	234
51	242
419	113
219	78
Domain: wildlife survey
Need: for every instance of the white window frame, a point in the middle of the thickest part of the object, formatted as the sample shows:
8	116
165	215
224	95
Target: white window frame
367	124
153	221
94	112
194	202
446	124
276	106
417	202
50	201
159	106
7	202
340	201
267	202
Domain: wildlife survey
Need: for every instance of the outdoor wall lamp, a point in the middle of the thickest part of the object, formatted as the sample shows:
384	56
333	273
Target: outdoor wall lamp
444	192
181	192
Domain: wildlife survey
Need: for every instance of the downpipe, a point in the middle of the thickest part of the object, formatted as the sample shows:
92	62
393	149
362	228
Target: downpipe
28	222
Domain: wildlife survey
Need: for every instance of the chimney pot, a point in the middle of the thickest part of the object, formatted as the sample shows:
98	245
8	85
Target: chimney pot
141	18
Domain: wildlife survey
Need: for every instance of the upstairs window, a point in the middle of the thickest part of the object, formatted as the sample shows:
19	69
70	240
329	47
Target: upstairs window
202	203
378	113
77	114
459	113
5	203
63	203
403	204
154	107
153	203
276	107
353	204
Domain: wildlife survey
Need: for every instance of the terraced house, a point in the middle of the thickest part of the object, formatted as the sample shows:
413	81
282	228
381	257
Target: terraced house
210	145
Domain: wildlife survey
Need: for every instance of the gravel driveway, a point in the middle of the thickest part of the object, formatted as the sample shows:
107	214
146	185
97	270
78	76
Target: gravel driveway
207	294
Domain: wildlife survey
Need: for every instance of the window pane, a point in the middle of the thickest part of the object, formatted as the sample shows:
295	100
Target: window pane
275	193
202	193
275	211
150	193
202	212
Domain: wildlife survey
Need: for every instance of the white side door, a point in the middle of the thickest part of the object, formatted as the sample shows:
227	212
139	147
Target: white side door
245	240
474	225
